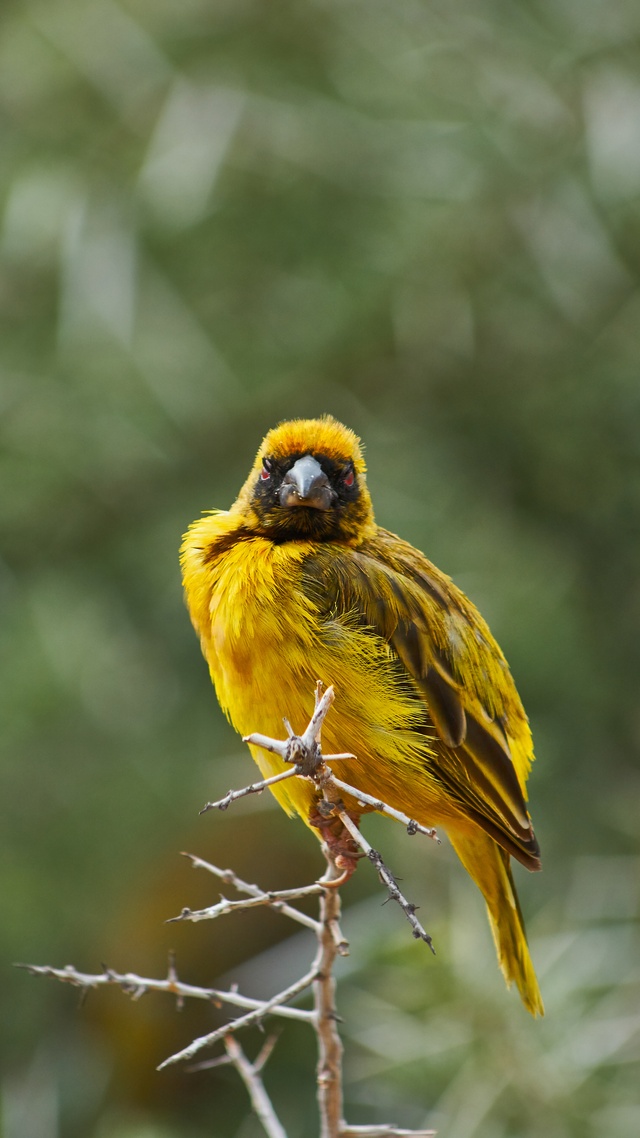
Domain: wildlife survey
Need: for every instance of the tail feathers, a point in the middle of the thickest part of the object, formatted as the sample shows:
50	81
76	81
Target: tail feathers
488	865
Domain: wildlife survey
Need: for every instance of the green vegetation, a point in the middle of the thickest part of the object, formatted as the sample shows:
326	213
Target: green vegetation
424	218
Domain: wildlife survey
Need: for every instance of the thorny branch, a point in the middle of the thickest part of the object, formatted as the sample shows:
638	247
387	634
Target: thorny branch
137	986
250	1075
249	1020
305	753
387	878
306	759
274	899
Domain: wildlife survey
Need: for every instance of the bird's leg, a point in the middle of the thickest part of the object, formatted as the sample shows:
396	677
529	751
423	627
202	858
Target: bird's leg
342	850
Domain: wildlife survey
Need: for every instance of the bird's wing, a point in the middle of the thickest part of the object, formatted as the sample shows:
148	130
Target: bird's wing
484	747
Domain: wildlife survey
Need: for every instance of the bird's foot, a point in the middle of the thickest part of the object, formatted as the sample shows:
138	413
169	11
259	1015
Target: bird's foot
342	851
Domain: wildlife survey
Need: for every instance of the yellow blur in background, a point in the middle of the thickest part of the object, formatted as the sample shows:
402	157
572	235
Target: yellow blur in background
424	219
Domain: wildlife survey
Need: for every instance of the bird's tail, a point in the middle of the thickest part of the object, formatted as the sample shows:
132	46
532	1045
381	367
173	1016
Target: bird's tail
488	865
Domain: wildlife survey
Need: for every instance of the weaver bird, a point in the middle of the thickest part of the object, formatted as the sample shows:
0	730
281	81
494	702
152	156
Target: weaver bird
296	583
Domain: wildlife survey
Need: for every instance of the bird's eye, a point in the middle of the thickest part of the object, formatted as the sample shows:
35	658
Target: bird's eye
349	477
267	467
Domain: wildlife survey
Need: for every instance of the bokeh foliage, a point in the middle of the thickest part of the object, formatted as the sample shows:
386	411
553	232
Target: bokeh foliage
424	218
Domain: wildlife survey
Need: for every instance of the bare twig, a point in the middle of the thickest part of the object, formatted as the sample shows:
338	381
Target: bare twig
274	899
266	1007
383	1132
301	750
254	788
413	827
137	986
329	1068
224	1060
225	907
250	1075
387	878
230	877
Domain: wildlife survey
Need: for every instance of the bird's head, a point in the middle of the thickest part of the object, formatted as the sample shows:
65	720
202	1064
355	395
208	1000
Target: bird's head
308	483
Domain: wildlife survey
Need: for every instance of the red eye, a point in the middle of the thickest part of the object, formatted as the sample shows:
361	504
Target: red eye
349	478
265	473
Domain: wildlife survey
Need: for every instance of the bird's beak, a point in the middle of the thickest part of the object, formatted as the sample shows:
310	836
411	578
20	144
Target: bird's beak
306	484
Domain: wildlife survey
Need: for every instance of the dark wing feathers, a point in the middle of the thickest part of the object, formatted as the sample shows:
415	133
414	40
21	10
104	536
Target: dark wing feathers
484	749
446	708
494	760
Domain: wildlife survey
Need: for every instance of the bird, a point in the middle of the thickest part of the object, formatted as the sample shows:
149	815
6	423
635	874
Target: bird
297	583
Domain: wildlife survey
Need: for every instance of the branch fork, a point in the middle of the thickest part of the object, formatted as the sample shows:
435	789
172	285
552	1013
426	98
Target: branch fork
305	754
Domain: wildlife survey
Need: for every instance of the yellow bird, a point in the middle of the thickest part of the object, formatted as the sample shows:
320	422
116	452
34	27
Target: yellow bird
296	583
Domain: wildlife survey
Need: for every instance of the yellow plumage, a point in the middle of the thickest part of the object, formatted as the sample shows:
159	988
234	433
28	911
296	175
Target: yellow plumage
297	583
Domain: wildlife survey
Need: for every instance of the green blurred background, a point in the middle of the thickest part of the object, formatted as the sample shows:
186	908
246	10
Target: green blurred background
423	217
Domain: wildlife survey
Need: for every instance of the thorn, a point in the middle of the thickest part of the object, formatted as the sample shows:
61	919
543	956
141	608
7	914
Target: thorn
209	1064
